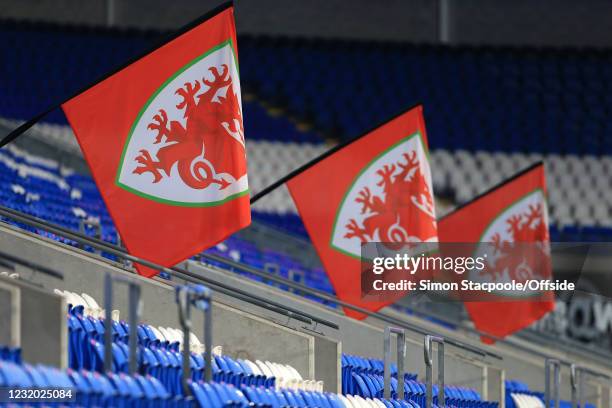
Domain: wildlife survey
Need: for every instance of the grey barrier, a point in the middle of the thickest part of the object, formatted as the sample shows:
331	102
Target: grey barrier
427	346
577	384
552	390
401	357
134	312
199	297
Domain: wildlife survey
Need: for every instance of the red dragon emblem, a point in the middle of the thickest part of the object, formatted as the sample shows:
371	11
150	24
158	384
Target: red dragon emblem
204	149
397	216
525	261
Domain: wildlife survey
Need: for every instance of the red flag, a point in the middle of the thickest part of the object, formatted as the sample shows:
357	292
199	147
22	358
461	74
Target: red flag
375	189
164	140
514	212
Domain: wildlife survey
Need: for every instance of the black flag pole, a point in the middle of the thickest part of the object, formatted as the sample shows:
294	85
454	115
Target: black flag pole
14	134
172	36
324	155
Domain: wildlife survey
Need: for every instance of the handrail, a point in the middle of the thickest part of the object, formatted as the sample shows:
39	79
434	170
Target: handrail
182	273
237	293
390	319
222	288
330	298
577	378
281	309
31	265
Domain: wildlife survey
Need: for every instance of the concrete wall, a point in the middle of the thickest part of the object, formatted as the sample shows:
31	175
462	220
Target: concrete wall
328	363
35	320
10	327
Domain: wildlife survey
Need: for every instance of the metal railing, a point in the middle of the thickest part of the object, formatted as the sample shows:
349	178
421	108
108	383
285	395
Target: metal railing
291	312
427	348
134	313
401	358
577	374
199	297
287	311
551	391
234	292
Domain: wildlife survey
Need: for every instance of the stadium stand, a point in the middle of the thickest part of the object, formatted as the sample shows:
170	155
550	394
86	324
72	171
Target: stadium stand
483	98
475	142
160	352
361	377
480	134
237	382
518	395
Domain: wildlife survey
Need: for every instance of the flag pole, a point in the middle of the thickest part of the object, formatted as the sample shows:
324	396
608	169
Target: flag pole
172	36
324	155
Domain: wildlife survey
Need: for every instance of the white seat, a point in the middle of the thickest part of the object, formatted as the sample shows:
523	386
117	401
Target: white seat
463	194
493	178
264	368
175	334
554	196
59	292
94	308
379	403
582	211
281	376
346	402
158	334
520	160
572	195
254	367
165	335
357	401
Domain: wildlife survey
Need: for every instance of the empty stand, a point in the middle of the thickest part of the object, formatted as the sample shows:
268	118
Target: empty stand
491	113
512	99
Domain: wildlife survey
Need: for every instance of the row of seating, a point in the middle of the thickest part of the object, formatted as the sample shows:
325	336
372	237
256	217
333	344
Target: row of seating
159	353
49	64
66	198
161	359
579	187
90	389
95	389
474	98
86	306
361	365
518	395
364	377
116	388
